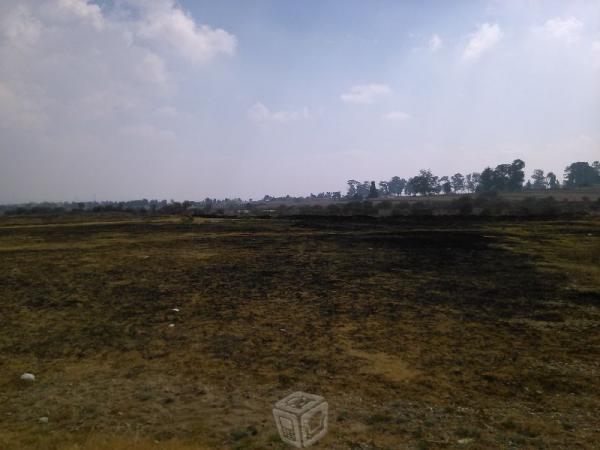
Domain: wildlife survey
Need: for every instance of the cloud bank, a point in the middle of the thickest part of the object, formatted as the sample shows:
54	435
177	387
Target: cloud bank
84	85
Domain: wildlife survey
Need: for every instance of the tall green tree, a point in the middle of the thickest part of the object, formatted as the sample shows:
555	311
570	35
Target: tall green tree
352	188
425	183
505	177
472	181
539	179
384	188
458	182
373	190
581	174
396	185
444	185
552	181
516	175
487	180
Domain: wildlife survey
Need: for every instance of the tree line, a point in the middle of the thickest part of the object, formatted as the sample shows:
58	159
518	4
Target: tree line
508	177
503	178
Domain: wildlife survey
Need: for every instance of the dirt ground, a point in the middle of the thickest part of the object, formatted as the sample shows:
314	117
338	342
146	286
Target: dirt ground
421	334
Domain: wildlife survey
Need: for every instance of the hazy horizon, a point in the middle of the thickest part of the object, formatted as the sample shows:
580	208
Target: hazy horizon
130	99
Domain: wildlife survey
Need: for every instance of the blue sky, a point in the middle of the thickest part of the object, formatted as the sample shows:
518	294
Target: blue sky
161	99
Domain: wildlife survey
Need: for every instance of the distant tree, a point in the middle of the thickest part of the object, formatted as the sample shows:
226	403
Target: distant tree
581	174
384	188
487	181
364	189
458	182
444	185
539	179
208	204
396	185
528	185
505	177
501	178
472	181
352	188
425	183
373	190
516	175
552	181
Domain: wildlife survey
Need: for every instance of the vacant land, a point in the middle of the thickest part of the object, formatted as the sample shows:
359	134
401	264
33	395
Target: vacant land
440	333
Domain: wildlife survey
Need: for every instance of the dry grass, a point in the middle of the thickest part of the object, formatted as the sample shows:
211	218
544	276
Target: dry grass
419	334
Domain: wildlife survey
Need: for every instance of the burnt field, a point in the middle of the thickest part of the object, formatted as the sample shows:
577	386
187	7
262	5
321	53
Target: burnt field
420	333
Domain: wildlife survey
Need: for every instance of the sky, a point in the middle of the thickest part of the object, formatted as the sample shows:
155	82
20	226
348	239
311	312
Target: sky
187	99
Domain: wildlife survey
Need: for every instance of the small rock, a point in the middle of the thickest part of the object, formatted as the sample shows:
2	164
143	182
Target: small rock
28	377
43	419
171	325
465	441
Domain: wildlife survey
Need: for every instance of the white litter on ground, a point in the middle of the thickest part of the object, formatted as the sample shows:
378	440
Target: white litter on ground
43	419
28	377
171	325
175	309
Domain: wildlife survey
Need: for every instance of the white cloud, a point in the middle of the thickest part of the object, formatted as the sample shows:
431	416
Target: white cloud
82	10
80	80
71	58
260	113
164	23
484	39
152	69
566	29
396	116
366	93
20	27
435	43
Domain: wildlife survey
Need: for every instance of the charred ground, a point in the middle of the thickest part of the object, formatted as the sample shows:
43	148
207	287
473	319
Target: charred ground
421	333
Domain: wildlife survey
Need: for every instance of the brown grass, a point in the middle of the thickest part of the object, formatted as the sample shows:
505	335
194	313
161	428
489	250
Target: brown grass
418	334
